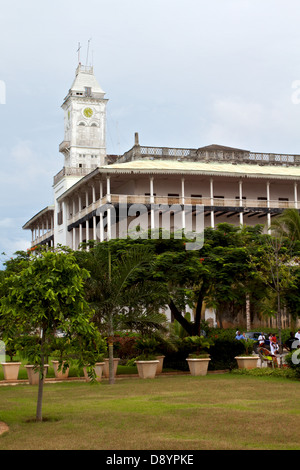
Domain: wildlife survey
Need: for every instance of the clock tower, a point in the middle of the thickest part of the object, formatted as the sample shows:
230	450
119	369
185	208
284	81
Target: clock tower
84	144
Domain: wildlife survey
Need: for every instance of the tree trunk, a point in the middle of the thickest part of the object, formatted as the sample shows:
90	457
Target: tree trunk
248	313
279	326
180	318
39	416
198	314
111	352
111	362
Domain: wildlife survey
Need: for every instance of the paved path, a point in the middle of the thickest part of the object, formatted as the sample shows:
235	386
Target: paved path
3	427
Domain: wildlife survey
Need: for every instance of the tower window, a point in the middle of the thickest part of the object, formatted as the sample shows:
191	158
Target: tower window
87	91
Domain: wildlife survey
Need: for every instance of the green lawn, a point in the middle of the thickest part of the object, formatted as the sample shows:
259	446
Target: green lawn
166	413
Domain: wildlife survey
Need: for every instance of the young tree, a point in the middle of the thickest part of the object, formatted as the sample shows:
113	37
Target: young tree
273	264
46	293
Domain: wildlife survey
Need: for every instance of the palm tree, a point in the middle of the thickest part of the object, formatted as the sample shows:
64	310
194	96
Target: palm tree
120	292
288	224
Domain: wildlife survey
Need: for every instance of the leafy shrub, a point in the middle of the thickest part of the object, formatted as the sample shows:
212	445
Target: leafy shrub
224	350
267	372
125	345
293	361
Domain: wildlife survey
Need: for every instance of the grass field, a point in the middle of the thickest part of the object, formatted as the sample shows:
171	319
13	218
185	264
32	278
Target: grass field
216	412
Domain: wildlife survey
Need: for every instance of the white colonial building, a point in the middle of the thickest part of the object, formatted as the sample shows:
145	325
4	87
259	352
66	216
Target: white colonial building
98	196
231	185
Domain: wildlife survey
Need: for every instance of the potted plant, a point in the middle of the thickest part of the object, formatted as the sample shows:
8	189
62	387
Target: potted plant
106	366
33	372
147	361
198	359
247	360
11	368
61	363
29	348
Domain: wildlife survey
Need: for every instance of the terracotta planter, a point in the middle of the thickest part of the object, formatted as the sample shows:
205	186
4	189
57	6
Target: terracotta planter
106	366
98	370
198	366
147	369
60	374
34	375
11	370
160	364
247	362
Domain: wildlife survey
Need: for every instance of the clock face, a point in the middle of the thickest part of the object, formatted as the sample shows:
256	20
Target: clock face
88	112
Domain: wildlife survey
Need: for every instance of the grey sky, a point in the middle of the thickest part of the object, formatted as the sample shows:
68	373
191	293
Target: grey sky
182	73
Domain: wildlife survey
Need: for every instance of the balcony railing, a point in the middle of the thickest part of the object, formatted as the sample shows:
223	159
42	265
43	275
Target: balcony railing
206	154
42	238
165	200
71	172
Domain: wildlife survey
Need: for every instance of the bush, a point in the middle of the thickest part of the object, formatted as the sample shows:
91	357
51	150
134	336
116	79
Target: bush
293	361
267	372
224	350
125	345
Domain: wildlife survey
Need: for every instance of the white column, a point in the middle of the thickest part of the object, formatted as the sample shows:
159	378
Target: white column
241	202
151	202
268	205
182	202
108	224
296	195
94	228
74	239
80	234
212	218
101	227
151	189
87	232
108	189
79	202
94	194
87	198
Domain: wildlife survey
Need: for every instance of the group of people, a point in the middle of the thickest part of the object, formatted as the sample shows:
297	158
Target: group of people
292	343
274	346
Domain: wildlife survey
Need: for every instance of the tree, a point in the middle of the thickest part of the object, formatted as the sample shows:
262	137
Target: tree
119	289
46	293
273	264
288	225
218	275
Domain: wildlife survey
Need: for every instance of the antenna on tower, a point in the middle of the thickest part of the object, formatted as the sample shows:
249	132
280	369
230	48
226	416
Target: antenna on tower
78	50
87	53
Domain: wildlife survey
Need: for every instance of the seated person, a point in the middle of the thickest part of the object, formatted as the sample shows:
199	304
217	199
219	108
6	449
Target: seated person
239	335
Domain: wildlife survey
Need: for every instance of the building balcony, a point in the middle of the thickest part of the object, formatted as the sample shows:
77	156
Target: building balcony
215	204
70	172
44	238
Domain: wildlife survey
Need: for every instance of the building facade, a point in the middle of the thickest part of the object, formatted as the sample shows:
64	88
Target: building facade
93	189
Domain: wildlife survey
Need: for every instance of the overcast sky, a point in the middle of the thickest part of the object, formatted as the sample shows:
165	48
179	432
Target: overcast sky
182	73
